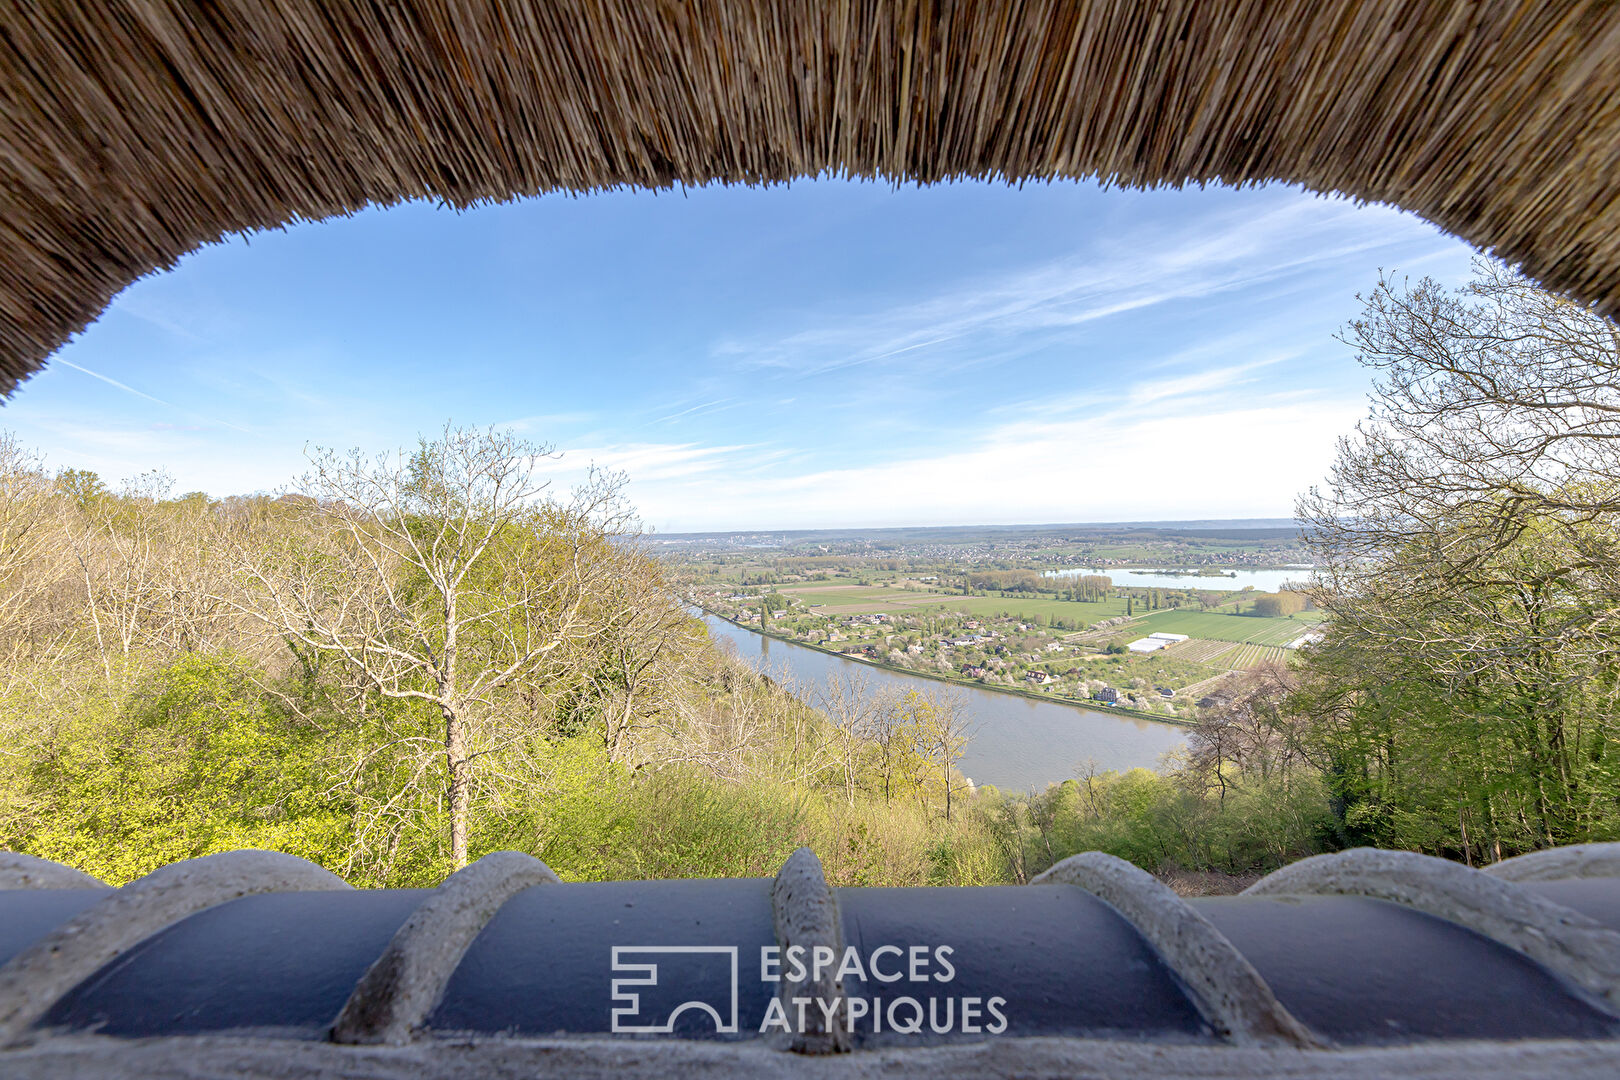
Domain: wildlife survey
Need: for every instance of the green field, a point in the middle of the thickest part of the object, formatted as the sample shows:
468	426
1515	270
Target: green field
1208	624
831	598
900	601
1082	614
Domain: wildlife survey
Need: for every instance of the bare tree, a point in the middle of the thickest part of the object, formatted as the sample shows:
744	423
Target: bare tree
639	657
446	576
1497	405
854	707
30	525
1247	732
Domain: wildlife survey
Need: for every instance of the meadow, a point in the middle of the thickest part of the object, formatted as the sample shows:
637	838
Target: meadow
846	595
835	598
1215	626
1080	613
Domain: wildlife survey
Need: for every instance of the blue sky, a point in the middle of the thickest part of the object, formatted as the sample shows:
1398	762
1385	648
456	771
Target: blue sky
821	355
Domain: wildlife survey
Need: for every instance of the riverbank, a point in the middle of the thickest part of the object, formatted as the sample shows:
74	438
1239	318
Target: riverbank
972	684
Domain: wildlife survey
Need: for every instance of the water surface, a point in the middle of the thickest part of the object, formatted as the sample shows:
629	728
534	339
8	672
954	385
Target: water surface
1156	578
1018	743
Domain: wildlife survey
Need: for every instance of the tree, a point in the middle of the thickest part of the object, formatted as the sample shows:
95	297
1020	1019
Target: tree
854	709
446	578
1468	551
941	729
81	486
29	529
1496	407
640	650
1276	605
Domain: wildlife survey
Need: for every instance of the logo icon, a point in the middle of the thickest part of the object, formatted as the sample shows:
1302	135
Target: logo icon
628	992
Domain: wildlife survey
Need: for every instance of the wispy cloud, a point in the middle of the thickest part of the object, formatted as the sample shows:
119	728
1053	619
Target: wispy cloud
546	424
654	461
697	410
1112	278
1199	384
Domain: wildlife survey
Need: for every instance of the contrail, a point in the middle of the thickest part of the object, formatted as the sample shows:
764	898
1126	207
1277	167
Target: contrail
143	394
113	382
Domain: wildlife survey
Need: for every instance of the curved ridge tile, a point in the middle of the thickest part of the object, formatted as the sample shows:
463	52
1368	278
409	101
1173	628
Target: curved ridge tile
805	913
404	985
33	980
1561	864
1223	984
1563	941
19	871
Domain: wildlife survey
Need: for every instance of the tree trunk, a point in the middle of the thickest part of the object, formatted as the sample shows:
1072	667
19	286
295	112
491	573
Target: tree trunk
455	751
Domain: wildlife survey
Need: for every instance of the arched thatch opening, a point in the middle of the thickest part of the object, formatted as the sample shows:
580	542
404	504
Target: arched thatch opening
136	130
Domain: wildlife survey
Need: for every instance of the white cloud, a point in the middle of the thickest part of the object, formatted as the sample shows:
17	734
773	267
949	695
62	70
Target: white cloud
1229	461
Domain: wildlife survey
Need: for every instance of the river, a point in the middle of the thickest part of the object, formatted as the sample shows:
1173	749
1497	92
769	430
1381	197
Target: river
1150	578
1018	743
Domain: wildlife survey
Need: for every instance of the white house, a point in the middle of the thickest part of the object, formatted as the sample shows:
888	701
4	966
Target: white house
1309	637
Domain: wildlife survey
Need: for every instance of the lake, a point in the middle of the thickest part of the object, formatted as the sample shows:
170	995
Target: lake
1018	743
1264	580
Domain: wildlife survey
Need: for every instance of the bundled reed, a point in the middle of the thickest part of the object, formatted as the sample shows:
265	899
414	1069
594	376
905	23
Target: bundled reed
133	131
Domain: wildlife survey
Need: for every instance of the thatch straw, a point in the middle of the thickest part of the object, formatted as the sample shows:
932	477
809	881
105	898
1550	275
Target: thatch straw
133	131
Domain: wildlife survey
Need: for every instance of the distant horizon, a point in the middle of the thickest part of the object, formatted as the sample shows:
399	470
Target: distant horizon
1184	523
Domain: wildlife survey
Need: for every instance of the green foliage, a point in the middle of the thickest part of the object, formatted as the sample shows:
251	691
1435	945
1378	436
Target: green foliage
1279	604
1167	821
1453	720
194	761
81	486
599	821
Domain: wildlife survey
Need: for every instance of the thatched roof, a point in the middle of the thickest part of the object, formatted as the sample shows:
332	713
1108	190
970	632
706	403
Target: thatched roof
135	130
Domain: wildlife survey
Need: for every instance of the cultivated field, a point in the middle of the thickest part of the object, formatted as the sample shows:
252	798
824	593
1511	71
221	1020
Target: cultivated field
1200	651
1208	624
1252	656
